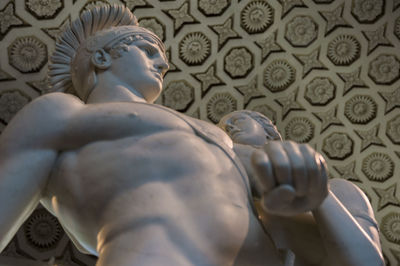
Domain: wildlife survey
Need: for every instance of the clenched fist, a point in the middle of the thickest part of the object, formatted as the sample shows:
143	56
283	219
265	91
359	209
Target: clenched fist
291	178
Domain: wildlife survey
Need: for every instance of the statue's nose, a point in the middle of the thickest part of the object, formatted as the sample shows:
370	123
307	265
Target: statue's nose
162	66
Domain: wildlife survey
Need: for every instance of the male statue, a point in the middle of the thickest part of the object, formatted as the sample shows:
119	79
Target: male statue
138	184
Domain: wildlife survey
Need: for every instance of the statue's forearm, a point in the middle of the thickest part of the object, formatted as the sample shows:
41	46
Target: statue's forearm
345	241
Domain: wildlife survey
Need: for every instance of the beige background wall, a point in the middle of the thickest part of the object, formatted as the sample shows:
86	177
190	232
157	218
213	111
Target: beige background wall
326	71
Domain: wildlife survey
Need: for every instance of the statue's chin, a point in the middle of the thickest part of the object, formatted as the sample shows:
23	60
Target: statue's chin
151	95
148	91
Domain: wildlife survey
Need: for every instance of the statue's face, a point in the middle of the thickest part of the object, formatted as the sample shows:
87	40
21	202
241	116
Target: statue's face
244	130
142	68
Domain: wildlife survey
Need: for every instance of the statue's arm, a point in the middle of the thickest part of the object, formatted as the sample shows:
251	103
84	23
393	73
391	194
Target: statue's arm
333	234
347	226
304	215
358	205
28	149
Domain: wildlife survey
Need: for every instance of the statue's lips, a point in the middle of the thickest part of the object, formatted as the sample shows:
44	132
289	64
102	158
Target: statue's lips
158	75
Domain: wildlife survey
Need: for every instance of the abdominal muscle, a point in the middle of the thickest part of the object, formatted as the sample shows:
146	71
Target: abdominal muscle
165	199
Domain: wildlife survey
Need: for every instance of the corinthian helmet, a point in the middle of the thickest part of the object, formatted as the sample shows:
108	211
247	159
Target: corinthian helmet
102	27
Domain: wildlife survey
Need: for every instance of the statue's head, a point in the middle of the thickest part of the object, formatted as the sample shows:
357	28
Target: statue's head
91	43
249	128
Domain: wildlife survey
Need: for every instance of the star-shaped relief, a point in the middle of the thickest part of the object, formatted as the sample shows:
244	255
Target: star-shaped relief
196	113
172	66
352	80
376	38
250	91
288	5
347	171
4	76
310	61
328	118
181	16
66	258
392	99
8	20
208	78
396	254
133	4
56	31
396	4
289	103
11	250
41	86
334	19
268	46
369	137
225	32
387	196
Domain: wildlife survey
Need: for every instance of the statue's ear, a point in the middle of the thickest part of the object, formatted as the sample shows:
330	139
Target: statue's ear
101	59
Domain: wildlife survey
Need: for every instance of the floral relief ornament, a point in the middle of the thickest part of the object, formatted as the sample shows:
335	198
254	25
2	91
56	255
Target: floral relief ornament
219	105
212	7
10	103
27	54
360	109
194	48
390	227
256	16
301	31
377	166
44	8
43	230
320	91
343	50
279	75
178	95
338	146
94	3
384	69
299	129
367	10
238	62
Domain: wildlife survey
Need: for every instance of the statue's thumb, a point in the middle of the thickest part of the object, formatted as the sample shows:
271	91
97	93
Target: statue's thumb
279	201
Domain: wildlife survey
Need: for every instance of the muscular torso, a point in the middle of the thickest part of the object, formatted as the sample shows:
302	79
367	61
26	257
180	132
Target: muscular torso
138	179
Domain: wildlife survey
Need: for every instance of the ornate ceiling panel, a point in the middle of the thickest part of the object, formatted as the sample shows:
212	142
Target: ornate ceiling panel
325	71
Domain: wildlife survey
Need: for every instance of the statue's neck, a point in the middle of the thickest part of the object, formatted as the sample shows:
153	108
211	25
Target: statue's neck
110	89
117	93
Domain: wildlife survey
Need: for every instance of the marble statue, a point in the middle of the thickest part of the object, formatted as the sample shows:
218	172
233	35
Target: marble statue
136	183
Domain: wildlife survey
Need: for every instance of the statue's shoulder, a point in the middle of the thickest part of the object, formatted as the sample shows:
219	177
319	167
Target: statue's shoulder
50	106
56	98
41	119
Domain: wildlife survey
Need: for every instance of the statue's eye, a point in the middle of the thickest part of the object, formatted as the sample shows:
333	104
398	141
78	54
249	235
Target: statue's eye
128	40
149	50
